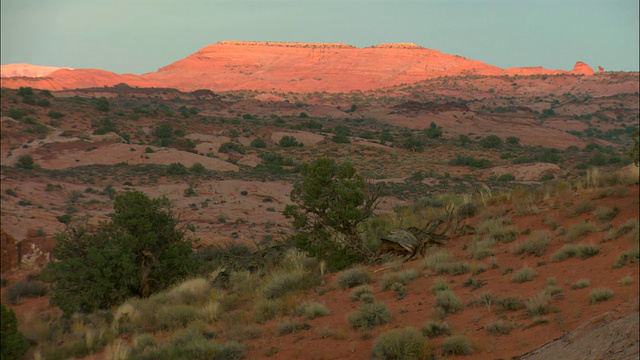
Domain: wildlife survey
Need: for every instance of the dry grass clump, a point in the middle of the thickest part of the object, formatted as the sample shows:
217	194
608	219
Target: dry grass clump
437	259
358	292
404	278
499	230
456	345
616	191
581	284
439	285
599	295
584	251
482	248
288	327
628	257
524	274
629	227
25	289
312	310
500	327
433	329
268	309
582	207
193	291
581	229
536	244
510	303
285	281
353	277
605	214
538	304
369	316
404	344
448	301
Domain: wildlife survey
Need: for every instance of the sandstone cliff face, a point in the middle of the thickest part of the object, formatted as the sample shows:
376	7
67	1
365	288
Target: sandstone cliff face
287	66
27	70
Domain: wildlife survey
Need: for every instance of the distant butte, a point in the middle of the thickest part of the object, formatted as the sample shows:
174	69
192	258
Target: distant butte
289	66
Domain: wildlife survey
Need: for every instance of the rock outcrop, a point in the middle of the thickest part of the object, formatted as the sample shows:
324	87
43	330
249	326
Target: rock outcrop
582	69
9	248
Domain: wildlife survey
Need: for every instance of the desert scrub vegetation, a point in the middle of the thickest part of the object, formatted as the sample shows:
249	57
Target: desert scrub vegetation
312	310
606	214
407	343
441	262
584	251
25	289
433	329
448	302
581	207
481	248
439	285
510	303
360	291
369	316
538	304
500	327
404	278
288	327
498	229
581	284
456	345
579	230
626	280
268	309
536	244
523	275
353	277
630	257
599	295
629	228
286	281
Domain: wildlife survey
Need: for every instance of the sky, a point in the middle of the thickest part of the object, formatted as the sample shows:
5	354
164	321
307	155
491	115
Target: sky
140	36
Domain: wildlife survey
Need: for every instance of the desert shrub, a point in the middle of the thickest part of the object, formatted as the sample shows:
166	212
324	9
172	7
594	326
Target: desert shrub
486	299
538	304
482	248
474	284
358	292
497	229
523	275
258	143
599	295
554	290
574	250
467	210
470	162
456	345
232	147
284	282
25	289
510	303
448	301
617	192
176	317
176	169
353	277
433	329
289	141
267	309
25	162
627	280
437	259
197	168
288	327
581	284
506	177
404	344
369	316
500	327
404	278
605	214
536	244
312	310
579	230
13	345
581	207
439	285
629	227
628	257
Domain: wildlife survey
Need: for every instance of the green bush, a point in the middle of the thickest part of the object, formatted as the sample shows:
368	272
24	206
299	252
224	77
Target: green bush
25	162
369	316
579	230
266	309
574	250
353	277
312	310
13	345
510	303
284	282
491	142
258	143
232	147
456	345
628	257
197	168
404	344
581	284
176	169
538	304
482	248
499	327
600	295
288	327
289	141
404	278
439	285
523	275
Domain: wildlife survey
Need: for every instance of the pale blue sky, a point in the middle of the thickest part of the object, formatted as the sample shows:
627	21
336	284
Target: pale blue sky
139	36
